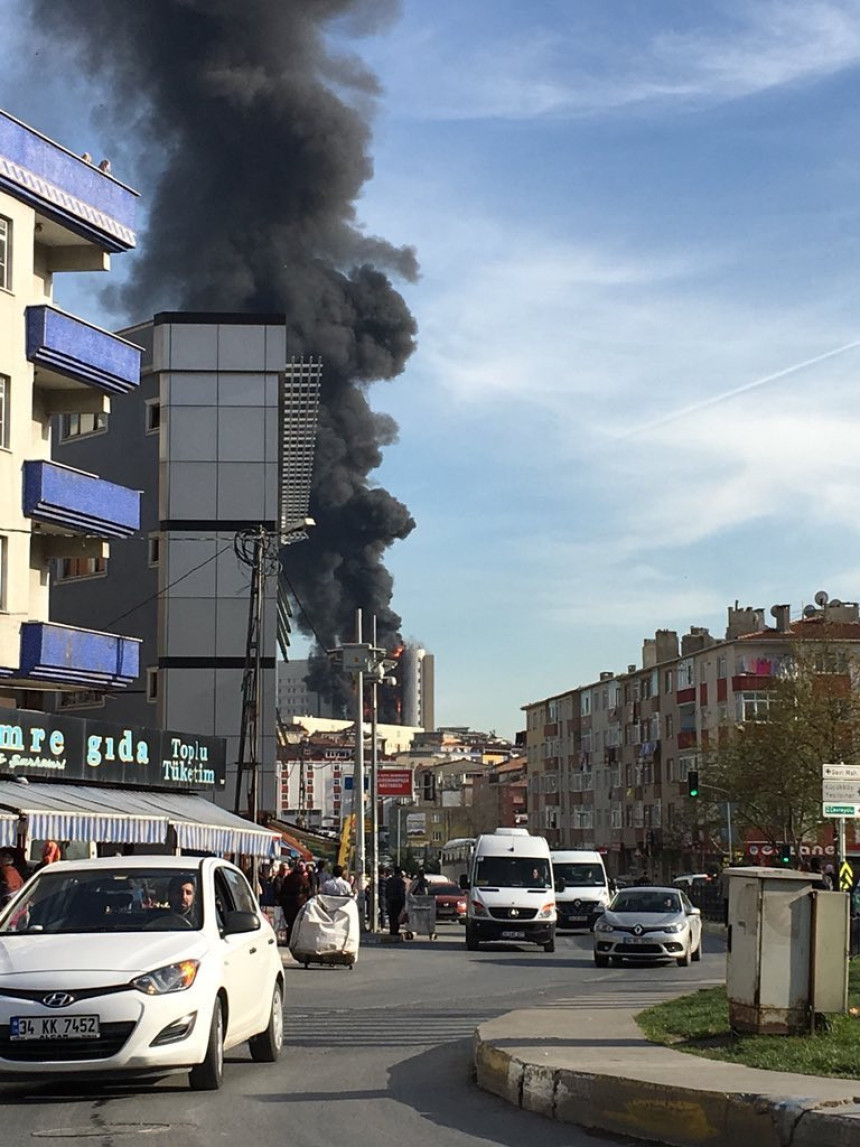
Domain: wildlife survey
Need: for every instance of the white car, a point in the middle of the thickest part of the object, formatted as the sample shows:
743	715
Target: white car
647	923
137	965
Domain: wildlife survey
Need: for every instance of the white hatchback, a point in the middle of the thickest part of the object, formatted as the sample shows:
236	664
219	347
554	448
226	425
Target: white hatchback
137	965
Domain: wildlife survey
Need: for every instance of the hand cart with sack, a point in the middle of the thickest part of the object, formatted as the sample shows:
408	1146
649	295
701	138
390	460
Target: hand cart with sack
326	931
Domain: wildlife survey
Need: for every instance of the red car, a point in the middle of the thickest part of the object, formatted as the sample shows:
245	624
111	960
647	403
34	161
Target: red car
450	901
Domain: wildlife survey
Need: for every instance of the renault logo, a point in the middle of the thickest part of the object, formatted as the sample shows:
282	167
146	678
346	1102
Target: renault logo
638	930
58	1000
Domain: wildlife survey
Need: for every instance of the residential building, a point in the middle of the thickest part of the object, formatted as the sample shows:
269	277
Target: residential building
295	699
201	440
58	214
608	761
417	682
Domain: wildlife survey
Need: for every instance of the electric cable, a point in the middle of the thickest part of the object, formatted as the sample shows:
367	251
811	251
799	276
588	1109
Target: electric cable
176	581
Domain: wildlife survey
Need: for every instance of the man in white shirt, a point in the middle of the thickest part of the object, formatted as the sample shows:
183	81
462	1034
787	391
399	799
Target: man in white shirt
336	885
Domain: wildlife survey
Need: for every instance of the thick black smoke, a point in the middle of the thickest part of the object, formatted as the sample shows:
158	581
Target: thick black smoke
255	137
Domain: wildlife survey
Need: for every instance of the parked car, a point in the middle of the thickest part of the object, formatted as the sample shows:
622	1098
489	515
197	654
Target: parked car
648	923
137	965
450	901
691	879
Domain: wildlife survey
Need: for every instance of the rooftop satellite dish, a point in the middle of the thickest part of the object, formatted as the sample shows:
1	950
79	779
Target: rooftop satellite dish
822	598
809	611
836	601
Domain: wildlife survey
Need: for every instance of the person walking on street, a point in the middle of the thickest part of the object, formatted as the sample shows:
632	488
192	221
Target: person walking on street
395	900
336	885
420	886
295	892
10	878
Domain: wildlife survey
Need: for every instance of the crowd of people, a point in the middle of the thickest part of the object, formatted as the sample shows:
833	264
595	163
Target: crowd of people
290	886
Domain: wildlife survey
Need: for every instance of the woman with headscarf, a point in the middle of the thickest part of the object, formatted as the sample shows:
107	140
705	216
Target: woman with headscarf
295	891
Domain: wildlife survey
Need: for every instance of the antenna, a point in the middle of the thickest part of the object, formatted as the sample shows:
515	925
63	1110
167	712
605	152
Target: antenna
822	598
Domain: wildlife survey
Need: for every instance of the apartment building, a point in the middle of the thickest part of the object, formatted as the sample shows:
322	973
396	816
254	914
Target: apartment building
608	761
58	214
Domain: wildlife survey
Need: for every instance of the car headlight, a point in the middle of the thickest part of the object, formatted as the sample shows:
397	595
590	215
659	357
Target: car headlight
602	926
173	978
546	911
674	927
478	909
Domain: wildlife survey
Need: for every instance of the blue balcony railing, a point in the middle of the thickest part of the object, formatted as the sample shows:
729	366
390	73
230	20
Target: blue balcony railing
73	500
67	656
62	345
62	186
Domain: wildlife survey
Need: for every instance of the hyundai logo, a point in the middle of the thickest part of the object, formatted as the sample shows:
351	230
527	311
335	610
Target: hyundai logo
58	1000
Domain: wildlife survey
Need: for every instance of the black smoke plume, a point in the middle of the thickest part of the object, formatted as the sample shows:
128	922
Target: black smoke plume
251	136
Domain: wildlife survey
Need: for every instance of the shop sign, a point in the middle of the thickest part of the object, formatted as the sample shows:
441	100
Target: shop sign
46	746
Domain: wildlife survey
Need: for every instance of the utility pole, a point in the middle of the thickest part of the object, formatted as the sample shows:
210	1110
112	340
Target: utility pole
374	799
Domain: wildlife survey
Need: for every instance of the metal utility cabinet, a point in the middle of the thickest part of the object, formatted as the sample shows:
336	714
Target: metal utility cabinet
787	951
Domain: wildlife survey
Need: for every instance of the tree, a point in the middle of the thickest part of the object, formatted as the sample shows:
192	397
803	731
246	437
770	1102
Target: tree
770	767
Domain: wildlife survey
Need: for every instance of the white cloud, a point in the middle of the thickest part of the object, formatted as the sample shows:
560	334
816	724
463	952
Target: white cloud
541	71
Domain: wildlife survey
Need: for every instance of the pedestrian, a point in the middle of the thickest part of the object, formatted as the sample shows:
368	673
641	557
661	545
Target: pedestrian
278	880
336	885
320	873
829	877
50	854
295	892
420	886
381	886
395	900
267	895
10	878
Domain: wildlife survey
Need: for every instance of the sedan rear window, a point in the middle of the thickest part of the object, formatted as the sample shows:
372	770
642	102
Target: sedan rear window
446	890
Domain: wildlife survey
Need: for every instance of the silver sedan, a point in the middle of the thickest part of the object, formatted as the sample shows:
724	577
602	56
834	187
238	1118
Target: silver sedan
645	924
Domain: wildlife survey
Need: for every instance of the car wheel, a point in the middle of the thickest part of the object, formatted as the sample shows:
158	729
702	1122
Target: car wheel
471	939
697	955
684	961
601	961
209	1075
266	1047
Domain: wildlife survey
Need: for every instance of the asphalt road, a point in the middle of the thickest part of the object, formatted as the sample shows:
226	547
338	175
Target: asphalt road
374	1056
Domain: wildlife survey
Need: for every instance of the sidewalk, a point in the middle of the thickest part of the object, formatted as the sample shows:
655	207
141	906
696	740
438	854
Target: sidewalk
589	1064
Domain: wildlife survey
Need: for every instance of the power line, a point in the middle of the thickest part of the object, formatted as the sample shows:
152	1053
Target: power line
188	573
305	613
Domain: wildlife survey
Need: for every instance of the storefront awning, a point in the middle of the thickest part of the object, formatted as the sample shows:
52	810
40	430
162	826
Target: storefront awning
124	816
8	831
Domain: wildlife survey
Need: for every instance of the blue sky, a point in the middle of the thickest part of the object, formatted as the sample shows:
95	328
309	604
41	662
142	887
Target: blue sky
627	216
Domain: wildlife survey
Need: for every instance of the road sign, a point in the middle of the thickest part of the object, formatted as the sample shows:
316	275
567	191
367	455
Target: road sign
841	772
835	792
846	877
844	809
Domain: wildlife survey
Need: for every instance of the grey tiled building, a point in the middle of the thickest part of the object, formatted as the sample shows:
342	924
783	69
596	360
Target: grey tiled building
200	440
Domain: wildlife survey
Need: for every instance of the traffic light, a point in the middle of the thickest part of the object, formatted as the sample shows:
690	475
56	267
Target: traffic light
693	783
785	854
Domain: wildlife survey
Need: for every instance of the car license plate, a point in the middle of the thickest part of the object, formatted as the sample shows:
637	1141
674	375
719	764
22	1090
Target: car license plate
514	935
576	919
54	1027
639	940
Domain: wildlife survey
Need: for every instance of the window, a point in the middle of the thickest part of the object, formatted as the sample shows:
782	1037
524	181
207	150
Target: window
154	549
153	416
81	699
70	569
5	383
669	681
152	684
670	727
80	425
752	706
5	253
721	666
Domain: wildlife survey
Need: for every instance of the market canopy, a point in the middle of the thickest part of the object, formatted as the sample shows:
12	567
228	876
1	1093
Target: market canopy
128	816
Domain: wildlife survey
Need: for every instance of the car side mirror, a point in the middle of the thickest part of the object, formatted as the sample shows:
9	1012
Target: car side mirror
236	922
464	883
694	912
559	885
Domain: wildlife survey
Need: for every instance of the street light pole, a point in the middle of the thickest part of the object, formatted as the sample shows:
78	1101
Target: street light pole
374	800
359	779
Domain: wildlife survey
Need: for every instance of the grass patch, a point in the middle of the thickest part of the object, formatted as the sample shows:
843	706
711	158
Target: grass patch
699	1024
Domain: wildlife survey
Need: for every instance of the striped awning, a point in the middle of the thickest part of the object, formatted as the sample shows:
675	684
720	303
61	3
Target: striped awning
126	816
8	830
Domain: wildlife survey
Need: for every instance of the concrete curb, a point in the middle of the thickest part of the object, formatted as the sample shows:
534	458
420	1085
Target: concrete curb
671	1113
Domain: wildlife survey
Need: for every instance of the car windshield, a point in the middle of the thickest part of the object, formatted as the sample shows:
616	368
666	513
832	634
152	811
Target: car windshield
646	901
581	875
107	900
445	890
511	872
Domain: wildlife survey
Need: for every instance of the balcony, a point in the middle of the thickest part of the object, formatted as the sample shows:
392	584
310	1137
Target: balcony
687	739
67	500
67	351
76	202
63	655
